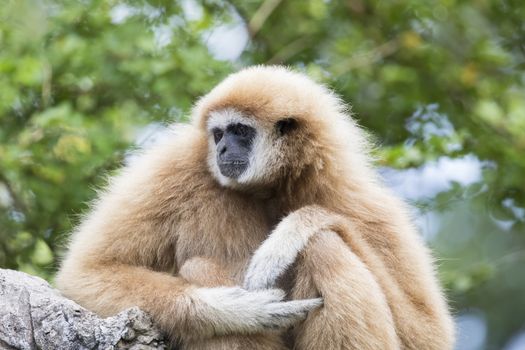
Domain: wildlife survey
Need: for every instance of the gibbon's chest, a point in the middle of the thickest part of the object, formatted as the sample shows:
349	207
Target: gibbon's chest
223	227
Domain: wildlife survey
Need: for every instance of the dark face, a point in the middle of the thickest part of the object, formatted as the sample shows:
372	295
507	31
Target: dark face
234	145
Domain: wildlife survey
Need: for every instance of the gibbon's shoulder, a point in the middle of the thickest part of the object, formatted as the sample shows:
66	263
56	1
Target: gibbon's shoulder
177	164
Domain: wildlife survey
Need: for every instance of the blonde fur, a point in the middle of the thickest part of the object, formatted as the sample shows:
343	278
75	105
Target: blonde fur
173	237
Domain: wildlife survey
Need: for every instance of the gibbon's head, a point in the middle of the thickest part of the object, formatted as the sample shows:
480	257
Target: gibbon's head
265	124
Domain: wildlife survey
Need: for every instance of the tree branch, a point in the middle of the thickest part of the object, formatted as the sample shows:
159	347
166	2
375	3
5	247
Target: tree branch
261	15
289	50
16	202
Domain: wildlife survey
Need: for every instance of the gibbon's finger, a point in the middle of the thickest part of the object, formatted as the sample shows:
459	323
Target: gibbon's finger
233	309
269	295
295	306
288	313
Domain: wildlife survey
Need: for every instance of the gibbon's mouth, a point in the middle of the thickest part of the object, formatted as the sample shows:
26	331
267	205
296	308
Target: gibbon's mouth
235	162
232	168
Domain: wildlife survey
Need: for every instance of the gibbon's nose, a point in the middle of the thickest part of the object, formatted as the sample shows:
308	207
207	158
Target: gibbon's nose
222	149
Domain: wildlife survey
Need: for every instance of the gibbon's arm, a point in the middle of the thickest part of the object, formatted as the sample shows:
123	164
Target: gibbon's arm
287	240
115	261
420	315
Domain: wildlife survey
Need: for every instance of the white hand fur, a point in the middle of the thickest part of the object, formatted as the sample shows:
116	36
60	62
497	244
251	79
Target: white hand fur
279	251
236	310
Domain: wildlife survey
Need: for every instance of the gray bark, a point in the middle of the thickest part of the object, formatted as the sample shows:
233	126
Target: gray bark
33	315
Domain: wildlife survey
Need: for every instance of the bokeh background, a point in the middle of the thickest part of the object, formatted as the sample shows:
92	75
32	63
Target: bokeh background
439	84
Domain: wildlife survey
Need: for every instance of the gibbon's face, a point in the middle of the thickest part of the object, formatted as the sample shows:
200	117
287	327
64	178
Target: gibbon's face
243	151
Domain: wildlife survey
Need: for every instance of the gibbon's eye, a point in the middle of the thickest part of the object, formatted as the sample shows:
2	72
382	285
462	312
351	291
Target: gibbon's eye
217	135
286	125
240	129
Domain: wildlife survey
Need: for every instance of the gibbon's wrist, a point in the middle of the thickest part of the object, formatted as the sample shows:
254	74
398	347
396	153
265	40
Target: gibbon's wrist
280	250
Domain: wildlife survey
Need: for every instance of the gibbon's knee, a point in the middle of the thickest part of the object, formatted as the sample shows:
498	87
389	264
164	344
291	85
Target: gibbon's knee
355	314
205	273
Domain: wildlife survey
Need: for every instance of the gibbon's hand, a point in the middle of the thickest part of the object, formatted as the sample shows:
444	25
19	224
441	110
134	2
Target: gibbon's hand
236	310
268	263
280	249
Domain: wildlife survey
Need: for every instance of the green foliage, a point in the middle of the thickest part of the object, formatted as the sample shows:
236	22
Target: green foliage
76	89
79	80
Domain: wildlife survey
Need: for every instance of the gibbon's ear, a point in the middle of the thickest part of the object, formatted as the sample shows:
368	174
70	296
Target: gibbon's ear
286	125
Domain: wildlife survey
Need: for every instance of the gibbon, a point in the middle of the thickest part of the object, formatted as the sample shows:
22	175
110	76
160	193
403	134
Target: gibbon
261	225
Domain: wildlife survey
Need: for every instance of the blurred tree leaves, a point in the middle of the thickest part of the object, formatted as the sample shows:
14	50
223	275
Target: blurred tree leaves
76	87
391	58
80	79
